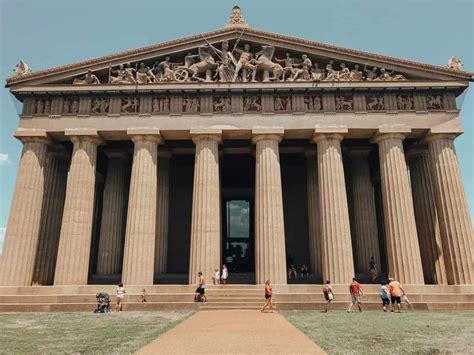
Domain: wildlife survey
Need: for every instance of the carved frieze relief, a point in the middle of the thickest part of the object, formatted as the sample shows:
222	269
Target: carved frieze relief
257	103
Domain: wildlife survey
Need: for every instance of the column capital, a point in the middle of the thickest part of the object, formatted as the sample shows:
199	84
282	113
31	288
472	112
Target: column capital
83	135
430	137
391	132
200	134
112	153
273	134
32	135
150	134
318	137
379	137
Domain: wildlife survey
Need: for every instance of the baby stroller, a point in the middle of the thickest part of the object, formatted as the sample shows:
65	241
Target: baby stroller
103	303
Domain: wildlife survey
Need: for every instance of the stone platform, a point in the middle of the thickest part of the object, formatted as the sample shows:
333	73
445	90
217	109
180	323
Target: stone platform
180	297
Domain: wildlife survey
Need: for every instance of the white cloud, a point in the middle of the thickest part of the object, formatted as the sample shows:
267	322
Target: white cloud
2	238
4	159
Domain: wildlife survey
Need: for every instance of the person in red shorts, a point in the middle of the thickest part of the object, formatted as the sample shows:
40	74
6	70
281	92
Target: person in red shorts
355	291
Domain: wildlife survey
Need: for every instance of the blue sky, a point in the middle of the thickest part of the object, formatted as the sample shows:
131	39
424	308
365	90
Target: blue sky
48	33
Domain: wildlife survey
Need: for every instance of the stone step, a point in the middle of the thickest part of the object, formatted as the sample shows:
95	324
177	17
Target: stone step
155	306
151	289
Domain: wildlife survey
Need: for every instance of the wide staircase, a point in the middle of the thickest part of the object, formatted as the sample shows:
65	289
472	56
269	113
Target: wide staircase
234	296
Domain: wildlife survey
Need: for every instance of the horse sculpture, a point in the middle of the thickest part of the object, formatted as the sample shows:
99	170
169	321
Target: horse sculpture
264	63
204	66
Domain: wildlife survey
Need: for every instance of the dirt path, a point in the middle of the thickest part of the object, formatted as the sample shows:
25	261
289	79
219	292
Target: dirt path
233	332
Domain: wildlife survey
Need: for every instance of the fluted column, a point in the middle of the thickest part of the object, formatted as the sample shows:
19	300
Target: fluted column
140	235
426	217
270	255
161	249
453	213
365	219
57	166
21	237
205	254
112	229
313	213
72	265
338	262
403	252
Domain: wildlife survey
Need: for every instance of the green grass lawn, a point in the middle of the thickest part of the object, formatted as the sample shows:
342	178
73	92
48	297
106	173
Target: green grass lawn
375	332
83	332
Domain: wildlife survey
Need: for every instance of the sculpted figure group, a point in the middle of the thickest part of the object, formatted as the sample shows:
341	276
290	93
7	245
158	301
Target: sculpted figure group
212	64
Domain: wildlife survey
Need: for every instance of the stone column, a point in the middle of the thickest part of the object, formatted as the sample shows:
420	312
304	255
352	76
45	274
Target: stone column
112	229
270	255
72	265
161	249
453	213
205	252
140	235
403	252
365	218
426	217
313	213
57	166
338	262
21	237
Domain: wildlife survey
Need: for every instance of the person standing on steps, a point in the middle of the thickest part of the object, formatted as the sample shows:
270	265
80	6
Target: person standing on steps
373	268
224	275
268	297
200	290
120	297
328	295
356	292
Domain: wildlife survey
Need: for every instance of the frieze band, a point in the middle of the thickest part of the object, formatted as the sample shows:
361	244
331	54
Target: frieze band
227	104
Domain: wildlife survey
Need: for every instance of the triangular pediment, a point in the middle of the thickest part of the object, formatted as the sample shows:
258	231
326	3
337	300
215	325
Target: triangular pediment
270	57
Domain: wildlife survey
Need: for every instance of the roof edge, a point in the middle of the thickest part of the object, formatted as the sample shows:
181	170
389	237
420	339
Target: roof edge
64	68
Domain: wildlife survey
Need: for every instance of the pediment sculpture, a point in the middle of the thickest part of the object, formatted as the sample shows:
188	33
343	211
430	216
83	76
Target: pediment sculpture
239	64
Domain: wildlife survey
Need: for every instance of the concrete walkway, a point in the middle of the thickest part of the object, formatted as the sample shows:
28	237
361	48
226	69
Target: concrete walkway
233	332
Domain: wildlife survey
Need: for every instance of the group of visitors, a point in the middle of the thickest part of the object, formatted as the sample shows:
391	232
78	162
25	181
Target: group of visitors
293	274
390	294
220	278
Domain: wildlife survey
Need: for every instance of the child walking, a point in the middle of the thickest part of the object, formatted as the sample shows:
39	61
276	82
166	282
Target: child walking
224	275
120	297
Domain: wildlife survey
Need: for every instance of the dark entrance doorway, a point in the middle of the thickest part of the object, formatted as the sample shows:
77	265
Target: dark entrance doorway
238	243
237	181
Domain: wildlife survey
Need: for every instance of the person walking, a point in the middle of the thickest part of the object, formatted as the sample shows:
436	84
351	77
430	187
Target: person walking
200	290
396	292
224	275
120	297
268	297
384	295
328	295
356	292
373	268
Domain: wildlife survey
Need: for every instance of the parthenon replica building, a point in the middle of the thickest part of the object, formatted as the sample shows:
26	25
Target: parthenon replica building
243	147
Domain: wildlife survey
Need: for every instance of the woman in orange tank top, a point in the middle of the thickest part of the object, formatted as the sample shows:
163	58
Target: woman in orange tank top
268	297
